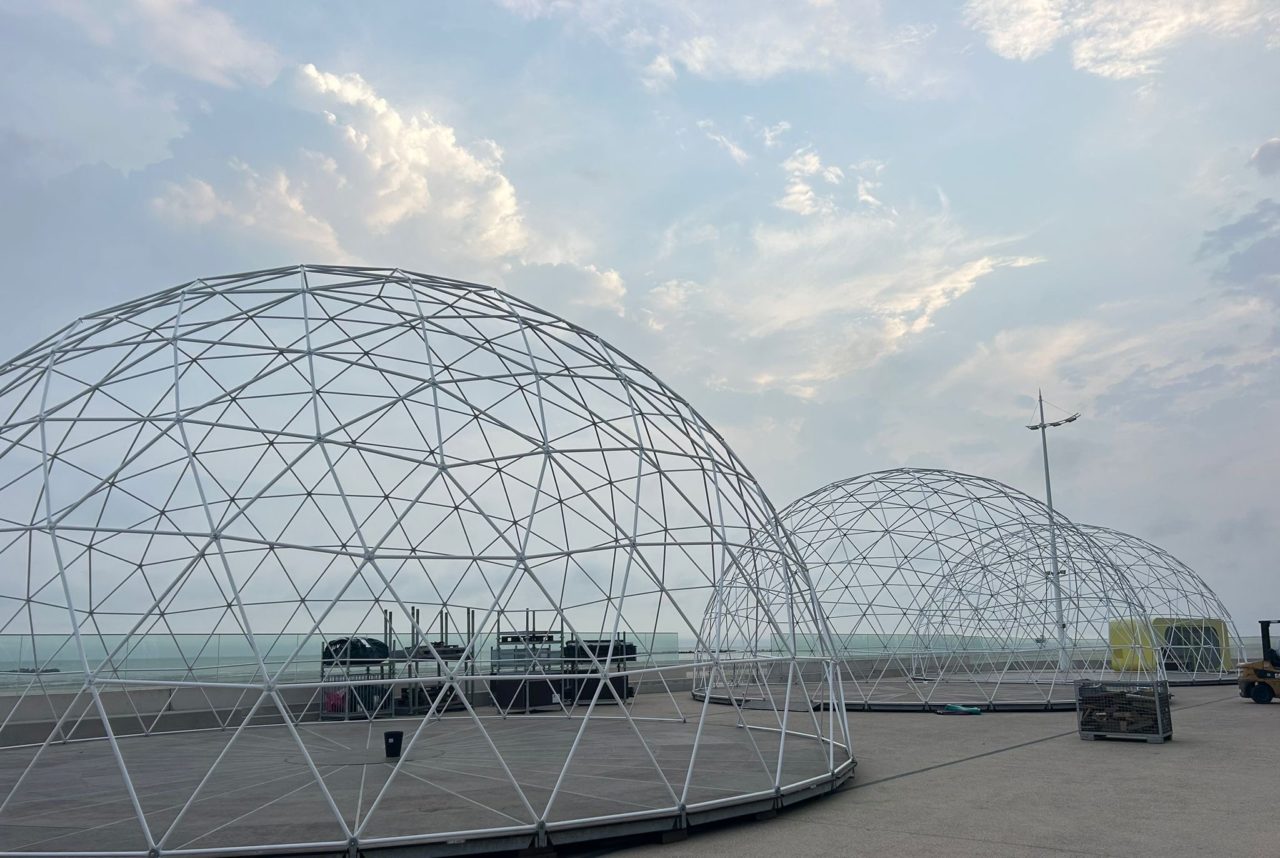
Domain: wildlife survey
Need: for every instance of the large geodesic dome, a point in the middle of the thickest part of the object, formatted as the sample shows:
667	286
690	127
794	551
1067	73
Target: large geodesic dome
939	588
1195	639
253	523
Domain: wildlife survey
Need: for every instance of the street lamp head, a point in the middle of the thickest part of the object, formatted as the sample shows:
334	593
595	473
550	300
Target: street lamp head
1038	426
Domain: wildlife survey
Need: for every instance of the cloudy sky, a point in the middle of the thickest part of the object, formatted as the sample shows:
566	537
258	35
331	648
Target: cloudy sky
854	235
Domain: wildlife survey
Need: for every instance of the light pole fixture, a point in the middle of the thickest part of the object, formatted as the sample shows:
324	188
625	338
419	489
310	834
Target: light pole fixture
1064	658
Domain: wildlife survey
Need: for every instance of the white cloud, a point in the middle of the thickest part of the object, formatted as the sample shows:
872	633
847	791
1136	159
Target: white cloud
269	207
85	97
1018	29
190	202
752	41
412	167
810	302
865	187
668	301
799	196
1266	158
1198	356
186	36
569	284
85	118
684	233
383	179
733	149
1114	38
772	134
381	175
803	162
658	73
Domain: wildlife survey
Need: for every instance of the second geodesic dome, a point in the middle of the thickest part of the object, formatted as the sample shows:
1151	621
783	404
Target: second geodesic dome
938	588
252	522
1195	638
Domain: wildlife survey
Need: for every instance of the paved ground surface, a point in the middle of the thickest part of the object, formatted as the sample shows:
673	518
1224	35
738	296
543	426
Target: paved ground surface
262	790
1024	784
998	784
1008	689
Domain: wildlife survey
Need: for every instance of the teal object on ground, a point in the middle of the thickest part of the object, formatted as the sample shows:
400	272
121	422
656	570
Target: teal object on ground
957	709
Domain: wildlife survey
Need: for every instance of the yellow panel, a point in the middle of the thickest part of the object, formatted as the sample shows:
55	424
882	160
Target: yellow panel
1132	646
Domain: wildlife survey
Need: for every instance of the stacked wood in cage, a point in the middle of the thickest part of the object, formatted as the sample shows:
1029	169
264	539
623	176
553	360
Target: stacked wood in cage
1123	709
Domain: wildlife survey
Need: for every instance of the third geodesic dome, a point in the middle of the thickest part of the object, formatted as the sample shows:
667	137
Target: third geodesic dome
1195	638
938	588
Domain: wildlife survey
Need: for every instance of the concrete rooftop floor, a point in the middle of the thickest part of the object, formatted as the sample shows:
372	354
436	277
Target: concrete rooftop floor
261	790
1024	784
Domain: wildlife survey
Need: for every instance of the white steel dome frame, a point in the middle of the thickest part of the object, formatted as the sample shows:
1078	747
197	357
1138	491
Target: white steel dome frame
938	590
249	522
1195	637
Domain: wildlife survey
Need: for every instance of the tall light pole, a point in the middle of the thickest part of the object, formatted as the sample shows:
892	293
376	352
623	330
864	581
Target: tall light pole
1064	656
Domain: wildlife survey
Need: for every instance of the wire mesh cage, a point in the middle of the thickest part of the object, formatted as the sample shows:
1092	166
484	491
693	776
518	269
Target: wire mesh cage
1116	709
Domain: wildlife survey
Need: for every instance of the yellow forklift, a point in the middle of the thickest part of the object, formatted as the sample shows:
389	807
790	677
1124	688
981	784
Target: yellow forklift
1260	680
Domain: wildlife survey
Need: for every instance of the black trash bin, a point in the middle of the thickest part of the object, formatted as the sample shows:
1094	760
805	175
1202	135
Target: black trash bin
391	741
